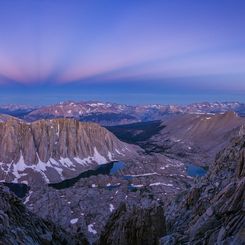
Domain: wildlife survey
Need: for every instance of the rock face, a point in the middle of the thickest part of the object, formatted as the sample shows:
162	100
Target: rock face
134	226
191	138
19	226
52	150
212	212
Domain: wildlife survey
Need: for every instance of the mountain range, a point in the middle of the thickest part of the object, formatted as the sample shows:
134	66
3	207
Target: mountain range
108	114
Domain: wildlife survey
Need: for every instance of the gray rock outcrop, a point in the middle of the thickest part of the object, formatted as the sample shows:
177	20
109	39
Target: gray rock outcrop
19	226
134	226
212	212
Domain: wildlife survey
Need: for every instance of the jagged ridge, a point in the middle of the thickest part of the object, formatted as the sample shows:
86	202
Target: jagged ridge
212	212
19	226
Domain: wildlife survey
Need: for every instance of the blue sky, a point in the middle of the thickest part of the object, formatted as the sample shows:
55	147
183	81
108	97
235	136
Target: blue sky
122	51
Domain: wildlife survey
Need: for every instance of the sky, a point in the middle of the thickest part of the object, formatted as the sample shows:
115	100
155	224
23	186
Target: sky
127	51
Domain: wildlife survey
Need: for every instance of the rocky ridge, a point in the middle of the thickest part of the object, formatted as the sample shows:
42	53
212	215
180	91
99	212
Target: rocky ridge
212	212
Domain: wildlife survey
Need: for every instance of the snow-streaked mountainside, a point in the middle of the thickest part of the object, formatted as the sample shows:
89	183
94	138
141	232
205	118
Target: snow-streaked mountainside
201	136
106	113
189	137
53	150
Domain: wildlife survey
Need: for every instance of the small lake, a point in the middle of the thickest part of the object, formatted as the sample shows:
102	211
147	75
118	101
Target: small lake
104	169
195	171
117	166
20	190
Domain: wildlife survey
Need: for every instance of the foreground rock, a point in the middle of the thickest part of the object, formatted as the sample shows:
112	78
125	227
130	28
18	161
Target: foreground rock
19	226
134	226
213	211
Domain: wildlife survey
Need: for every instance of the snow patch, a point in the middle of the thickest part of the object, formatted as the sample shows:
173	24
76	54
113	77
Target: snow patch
137	186
111	207
91	229
118	152
146	174
73	221
160	183
109	155
84	161
99	158
58	132
96	104
28	198
66	162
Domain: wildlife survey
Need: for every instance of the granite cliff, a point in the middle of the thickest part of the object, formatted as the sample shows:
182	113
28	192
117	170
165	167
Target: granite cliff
53	150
